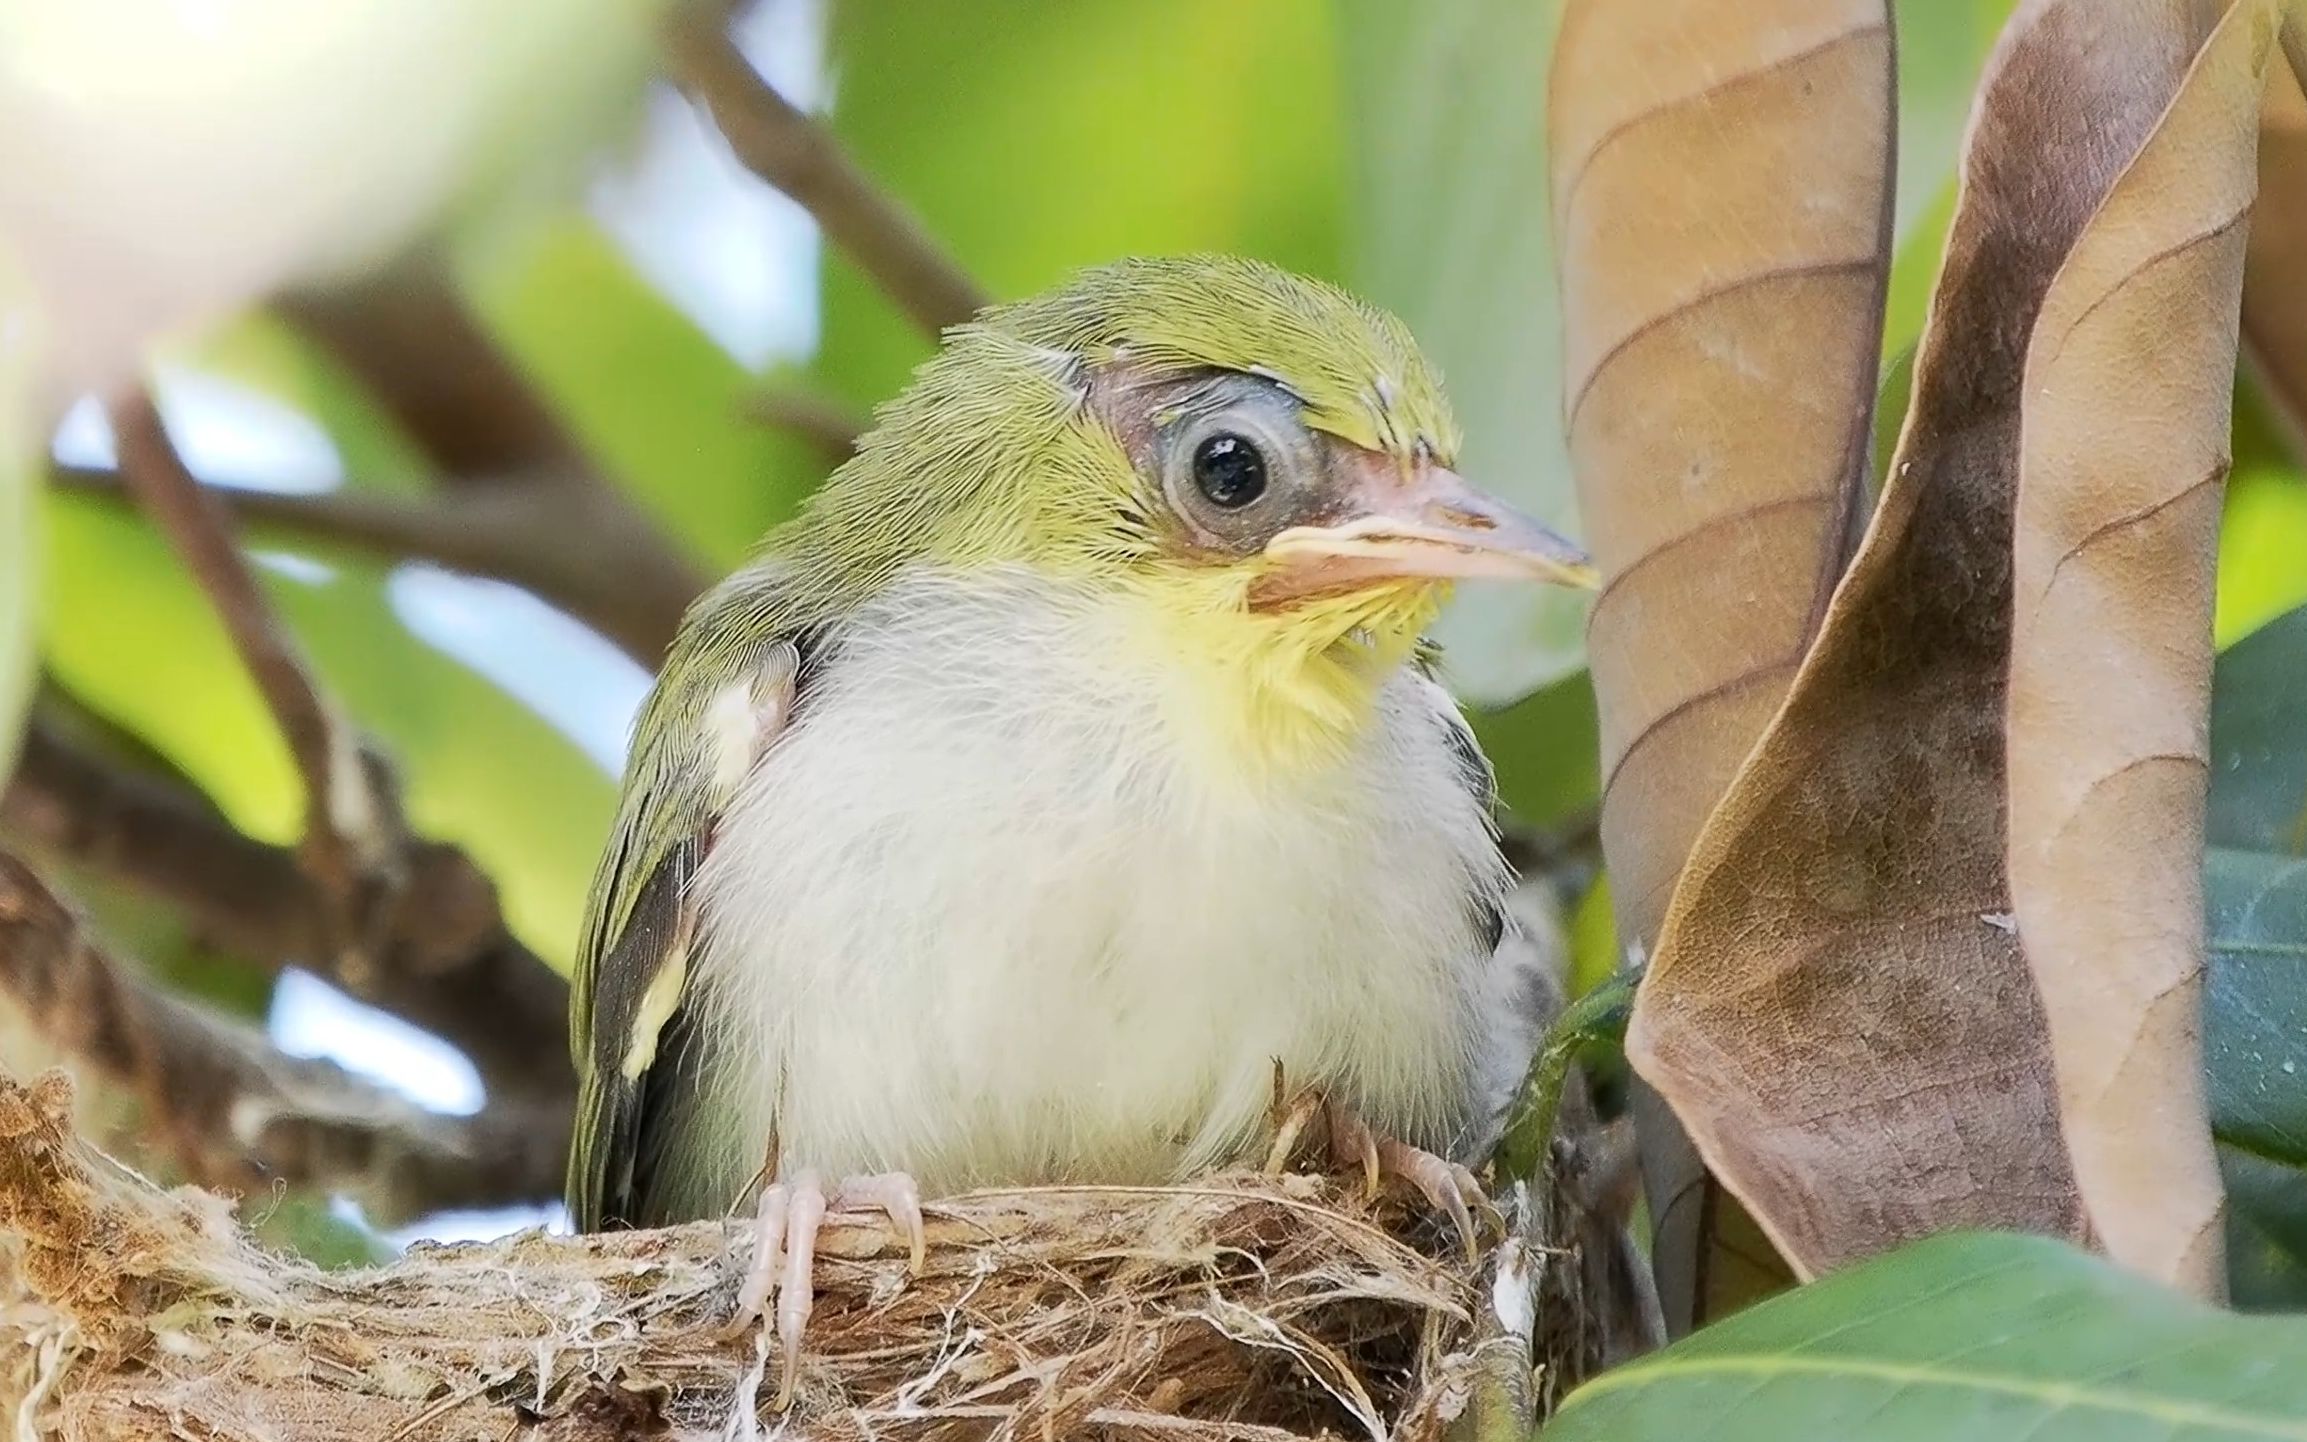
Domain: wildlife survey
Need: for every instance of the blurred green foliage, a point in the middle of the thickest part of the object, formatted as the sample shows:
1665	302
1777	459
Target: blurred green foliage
1399	149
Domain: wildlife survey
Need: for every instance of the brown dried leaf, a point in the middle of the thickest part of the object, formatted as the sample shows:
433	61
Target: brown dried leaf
1722	192
2122	459
2275	273
1839	1009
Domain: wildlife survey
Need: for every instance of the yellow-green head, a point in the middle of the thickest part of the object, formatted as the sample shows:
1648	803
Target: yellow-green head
1259	461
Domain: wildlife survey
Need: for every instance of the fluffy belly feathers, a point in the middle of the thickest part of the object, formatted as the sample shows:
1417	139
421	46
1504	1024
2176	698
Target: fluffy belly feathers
987	913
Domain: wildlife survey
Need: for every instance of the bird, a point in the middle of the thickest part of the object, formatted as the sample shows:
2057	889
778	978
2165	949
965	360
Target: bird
1068	768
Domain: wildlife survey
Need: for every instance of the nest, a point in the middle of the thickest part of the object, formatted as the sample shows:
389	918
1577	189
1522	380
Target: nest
1238	1307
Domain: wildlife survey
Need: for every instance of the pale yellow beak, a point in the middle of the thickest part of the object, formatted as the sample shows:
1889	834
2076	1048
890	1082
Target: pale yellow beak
1428	524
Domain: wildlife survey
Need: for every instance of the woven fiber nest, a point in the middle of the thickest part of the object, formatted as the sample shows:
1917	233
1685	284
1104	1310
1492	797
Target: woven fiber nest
1242	1306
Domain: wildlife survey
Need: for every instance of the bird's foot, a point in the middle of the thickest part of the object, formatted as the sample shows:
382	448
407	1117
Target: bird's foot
1448	1187
784	1262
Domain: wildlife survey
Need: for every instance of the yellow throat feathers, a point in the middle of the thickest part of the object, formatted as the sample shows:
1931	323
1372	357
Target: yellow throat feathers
1274	693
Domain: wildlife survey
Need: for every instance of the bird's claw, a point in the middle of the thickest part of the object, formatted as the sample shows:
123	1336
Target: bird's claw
785	1228
1448	1187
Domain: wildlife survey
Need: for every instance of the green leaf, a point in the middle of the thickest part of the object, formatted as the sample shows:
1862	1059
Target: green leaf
2258	744
1452	228
2255	1004
2255	1008
2255	1049
2266	1233
1981	1338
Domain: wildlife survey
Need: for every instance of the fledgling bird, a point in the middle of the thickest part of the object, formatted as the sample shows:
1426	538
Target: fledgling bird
1064	768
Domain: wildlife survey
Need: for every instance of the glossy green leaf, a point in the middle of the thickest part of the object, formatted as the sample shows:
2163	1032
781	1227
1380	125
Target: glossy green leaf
2255	1010
1981	1338
2255	1047
2255	1007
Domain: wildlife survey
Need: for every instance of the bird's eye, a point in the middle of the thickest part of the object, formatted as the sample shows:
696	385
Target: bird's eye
1230	470
1235	462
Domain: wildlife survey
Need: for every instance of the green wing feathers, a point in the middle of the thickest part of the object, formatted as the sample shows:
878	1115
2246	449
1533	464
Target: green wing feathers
726	692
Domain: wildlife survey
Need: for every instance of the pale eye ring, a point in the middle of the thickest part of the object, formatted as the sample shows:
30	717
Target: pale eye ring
1229	470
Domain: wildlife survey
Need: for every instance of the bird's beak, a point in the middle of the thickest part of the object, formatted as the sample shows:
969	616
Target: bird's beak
1428	523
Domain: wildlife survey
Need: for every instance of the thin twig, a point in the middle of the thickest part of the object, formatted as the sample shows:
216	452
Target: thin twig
349	821
543	532
406	334
552	520
234	1113
445	962
783	146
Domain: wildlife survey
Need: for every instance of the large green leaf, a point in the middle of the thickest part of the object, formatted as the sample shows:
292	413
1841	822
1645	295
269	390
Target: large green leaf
2255	1017
1978	1338
2255	1012
2255	1048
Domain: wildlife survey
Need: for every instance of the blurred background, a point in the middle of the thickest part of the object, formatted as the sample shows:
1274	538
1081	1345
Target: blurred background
500	329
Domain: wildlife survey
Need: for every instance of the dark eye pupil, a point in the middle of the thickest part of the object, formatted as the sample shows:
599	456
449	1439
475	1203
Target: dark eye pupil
1229	471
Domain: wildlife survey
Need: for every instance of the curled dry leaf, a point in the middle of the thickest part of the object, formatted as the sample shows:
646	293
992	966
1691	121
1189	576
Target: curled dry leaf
1722	196
1840	1009
2122	455
2275	272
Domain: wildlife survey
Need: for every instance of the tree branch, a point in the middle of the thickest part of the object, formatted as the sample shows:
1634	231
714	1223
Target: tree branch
801	158
833	428
235	1114
351	835
408	337
544	533
446	963
559	527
